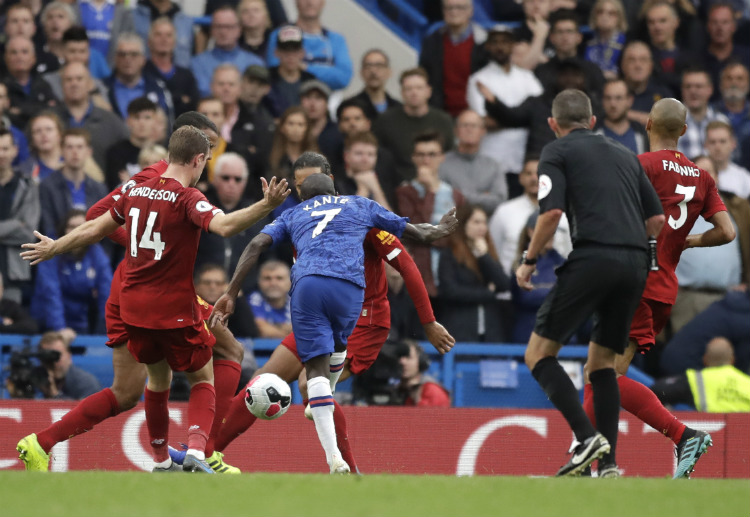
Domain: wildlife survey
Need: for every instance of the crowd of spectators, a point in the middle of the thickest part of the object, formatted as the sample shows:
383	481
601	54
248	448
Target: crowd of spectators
90	89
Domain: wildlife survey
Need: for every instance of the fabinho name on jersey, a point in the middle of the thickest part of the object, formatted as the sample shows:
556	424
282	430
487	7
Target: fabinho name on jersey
682	170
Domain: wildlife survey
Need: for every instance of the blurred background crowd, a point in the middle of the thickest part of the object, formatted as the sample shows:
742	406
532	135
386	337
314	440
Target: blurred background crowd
89	90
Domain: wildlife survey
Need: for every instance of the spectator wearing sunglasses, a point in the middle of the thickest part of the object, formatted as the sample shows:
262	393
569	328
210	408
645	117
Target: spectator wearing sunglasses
226	191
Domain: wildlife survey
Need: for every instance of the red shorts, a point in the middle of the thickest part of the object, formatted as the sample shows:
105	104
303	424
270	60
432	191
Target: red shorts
363	347
649	320
117	334
186	349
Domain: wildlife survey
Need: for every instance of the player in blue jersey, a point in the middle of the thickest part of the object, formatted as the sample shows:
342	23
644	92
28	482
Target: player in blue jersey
327	280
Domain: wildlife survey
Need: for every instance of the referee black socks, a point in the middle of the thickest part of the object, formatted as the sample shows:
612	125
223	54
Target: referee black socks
561	392
606	407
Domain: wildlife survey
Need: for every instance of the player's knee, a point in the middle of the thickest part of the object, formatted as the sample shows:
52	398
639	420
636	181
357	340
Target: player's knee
127	396
228	348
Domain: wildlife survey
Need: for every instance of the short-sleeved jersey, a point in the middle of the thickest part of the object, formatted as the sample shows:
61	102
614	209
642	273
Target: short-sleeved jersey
163	221
686	192
327	232
601	187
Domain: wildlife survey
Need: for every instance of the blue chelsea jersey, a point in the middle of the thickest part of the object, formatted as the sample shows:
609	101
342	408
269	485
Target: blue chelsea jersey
327	232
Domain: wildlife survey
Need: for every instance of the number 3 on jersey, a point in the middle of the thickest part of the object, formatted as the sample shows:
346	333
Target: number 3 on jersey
328	216
688	193
150	240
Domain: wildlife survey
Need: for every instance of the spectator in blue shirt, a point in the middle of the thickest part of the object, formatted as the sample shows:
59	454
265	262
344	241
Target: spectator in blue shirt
105	21
69	188
617	100
148	11
326	52
45	130
71	290
226	32
270	303
128	82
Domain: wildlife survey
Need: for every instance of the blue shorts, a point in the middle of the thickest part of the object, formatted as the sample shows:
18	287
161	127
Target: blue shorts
324	312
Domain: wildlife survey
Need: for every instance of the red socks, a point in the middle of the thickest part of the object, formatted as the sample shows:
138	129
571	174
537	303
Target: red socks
157	422
644	404
89	412
226	378
201	412
342	437
237	420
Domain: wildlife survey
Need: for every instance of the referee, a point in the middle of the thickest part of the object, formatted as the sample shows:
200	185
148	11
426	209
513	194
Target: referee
612	209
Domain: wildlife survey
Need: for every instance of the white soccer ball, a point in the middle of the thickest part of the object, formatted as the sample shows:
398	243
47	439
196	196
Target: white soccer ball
267	396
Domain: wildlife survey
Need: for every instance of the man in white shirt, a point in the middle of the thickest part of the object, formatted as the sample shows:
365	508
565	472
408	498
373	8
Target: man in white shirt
720	144
510	84
510	218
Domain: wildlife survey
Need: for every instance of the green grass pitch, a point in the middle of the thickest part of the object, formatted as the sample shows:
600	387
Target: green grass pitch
102	494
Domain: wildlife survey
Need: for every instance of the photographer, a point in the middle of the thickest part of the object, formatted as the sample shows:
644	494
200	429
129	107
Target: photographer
64	379
416	388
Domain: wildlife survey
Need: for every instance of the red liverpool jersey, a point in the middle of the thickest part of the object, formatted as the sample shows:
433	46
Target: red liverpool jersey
379	246
163	221
686	192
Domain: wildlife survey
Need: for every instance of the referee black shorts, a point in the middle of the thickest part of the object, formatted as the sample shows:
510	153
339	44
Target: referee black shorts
603	281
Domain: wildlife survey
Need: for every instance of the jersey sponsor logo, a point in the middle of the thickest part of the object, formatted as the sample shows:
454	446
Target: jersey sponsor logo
545	186
204	206
385	237
336	200
683	170
153	194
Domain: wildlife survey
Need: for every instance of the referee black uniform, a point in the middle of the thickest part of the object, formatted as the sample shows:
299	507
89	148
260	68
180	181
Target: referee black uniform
604	191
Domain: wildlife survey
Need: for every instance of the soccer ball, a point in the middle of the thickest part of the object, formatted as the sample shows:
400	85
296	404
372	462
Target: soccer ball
267	396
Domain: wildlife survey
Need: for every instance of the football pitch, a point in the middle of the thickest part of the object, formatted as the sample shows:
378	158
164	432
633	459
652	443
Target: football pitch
102	494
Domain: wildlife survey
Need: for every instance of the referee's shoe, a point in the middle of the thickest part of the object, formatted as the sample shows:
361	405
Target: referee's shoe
585	454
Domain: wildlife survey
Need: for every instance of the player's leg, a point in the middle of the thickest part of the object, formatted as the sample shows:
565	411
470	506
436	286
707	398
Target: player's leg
227	357
283	362
606	402
127	388
156	401
201	411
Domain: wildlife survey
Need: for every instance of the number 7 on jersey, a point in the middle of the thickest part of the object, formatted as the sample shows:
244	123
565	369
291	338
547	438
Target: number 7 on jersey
328	216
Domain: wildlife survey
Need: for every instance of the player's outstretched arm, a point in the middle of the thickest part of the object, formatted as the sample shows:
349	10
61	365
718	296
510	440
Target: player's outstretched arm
88	233
426	233
224	306
723	232
274	194
435	332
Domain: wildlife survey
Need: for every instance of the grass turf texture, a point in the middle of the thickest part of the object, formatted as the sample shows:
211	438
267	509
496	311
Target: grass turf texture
102	494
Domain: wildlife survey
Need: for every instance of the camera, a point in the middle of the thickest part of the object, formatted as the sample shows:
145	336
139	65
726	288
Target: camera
378	385
28	371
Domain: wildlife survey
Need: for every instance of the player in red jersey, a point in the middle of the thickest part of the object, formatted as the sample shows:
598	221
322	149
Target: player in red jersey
686	192
365	342
92	411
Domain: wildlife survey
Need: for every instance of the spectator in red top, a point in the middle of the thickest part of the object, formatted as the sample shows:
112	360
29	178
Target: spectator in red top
451	54
419	389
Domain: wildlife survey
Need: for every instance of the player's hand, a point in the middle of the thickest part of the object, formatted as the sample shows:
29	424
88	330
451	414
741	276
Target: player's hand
523	276
38	251
449	221
486	93
276	192
223	308
439	337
